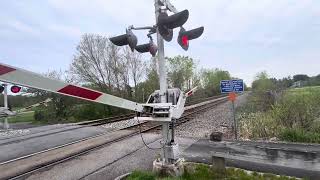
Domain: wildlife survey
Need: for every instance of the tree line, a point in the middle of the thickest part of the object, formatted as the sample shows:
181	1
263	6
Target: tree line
100	65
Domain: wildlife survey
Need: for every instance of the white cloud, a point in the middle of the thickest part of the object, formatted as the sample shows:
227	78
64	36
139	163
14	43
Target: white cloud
22	27
125	12
234	30
65	30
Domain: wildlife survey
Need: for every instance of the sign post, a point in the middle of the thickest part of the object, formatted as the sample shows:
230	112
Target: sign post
232	98
232	87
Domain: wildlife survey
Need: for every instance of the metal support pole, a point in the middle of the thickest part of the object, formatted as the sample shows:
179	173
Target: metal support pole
161	60
163	84
5	94
234	121
172	131
5	98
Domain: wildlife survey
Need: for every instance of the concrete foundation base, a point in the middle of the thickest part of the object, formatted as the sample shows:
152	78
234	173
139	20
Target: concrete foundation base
175	169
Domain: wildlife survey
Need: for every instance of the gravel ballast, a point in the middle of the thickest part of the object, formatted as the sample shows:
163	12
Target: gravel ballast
122	124
12	133
217	119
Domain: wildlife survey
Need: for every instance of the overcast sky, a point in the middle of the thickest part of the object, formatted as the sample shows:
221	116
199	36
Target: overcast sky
241	36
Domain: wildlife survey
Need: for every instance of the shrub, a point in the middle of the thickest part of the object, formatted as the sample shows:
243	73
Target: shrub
44	116
315	126
38	115
299	135
258	102
297	112
89	111
258	125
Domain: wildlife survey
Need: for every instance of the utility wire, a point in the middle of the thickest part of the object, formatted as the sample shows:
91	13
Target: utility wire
144	142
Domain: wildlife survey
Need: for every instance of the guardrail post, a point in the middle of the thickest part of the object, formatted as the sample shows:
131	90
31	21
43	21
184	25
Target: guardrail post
218	164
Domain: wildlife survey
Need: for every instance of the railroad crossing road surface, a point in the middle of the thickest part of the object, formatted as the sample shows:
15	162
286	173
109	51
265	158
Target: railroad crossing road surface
42	138
110	161
20	125
299	160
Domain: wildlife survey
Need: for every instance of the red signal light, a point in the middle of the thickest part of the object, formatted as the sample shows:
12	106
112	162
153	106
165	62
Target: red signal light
15	89
185	36
185	40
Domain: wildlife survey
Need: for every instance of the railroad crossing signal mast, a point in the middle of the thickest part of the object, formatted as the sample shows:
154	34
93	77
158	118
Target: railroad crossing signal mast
164	105
164	29
5	111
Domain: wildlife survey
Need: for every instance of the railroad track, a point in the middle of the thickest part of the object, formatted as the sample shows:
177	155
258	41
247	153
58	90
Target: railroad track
113	119
97	122
102	121
199	100
186	116
145	127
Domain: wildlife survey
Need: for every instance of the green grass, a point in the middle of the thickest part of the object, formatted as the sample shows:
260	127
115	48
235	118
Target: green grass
304	90
299	135
204	172
139	175
293	117
25	117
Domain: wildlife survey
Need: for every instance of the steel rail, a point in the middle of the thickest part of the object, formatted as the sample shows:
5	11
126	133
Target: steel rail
84	124
144	130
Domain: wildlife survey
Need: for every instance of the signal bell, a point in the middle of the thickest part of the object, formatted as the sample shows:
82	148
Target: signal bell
166	23
126	39
185	36
148	47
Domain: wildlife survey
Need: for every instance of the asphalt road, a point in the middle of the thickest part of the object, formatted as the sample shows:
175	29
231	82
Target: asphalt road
110	161
43	138
21	125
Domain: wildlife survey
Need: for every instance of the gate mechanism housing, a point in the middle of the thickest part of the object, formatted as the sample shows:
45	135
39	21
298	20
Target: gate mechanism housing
154	110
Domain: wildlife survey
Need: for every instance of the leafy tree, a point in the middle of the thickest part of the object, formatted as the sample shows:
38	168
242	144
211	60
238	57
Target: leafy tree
136	68
180	71
283	83
300	77
151	83
110	68
263	97
314	81
211	80
262	82
107	68
60	108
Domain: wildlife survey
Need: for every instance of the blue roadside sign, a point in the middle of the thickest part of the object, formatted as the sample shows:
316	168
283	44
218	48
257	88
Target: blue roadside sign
234	85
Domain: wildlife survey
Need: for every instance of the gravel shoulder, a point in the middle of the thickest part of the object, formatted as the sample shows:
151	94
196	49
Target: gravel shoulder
218	119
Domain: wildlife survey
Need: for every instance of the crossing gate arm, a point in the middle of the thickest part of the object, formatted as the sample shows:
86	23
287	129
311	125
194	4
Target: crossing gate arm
30	79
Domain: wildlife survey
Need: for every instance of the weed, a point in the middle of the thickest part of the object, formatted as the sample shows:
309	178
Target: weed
294	117
205	172
299	135
141	175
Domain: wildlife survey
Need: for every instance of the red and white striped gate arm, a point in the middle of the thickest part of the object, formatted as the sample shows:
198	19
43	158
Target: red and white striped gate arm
26	78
